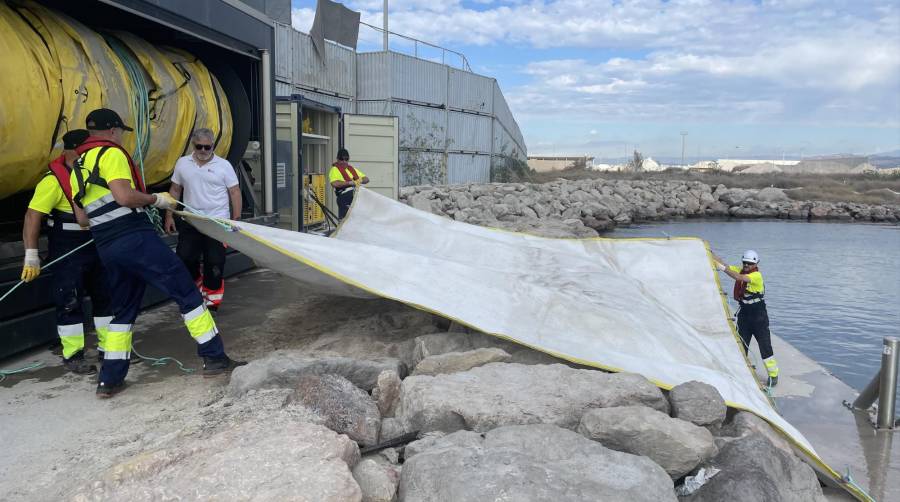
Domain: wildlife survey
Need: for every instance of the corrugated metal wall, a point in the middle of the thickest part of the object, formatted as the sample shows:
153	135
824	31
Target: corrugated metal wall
470	92
468	168
469	133
453	123
338	76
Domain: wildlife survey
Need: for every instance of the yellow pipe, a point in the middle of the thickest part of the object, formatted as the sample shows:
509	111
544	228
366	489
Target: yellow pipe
63	70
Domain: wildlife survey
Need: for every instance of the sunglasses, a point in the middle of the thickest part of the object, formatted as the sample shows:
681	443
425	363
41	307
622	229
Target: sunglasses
202	147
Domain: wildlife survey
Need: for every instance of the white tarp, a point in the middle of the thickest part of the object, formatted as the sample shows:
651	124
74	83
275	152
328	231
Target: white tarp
648	306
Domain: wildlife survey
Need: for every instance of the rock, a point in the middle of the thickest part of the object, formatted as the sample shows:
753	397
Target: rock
717	208
378	481
283	368
819	212
745	423
440	343
344	407
752	469
698	402
677	446
454	362
498	394
771	194
262	459
746	212
734	196
439	440
390	428
387	392
532	463
420	201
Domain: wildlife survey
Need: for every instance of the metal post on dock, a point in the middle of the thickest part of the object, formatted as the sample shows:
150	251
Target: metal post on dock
884	386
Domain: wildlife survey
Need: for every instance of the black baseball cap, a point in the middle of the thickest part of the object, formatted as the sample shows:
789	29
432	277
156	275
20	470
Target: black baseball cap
74	138
102	119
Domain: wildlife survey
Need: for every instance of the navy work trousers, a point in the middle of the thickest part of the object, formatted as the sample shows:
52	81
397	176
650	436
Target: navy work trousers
132	261
753	321
76	277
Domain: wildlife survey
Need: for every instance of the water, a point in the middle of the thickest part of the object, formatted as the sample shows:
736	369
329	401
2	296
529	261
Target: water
832	290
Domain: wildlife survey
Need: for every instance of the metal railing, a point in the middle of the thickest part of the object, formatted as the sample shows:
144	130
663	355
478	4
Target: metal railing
465	62
883	386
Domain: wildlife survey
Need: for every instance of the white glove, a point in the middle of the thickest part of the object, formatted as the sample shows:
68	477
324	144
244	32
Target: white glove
720	267
165	201
32	266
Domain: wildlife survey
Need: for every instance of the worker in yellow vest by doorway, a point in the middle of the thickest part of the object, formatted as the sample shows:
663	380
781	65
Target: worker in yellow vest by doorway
78	275
109	187
345	179
752	317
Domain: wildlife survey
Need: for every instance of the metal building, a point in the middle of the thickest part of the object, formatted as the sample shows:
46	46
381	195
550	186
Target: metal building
455	125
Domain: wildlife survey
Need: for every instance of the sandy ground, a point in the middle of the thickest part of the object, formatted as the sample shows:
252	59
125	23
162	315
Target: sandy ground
57	435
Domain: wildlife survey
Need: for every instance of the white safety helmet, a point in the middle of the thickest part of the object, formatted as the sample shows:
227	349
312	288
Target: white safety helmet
750	256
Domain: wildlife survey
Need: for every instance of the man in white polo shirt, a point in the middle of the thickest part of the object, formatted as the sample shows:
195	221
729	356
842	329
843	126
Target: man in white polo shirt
209	185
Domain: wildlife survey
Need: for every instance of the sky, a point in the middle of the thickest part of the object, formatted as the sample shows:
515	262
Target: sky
743	78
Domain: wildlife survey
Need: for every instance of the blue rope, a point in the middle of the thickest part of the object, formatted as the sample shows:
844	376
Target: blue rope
162	361
140	110
5	373
848	479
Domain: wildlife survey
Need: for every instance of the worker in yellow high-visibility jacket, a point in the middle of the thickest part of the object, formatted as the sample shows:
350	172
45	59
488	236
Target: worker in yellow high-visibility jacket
80	274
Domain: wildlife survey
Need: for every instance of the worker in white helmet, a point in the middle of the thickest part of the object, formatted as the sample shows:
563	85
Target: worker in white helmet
752	317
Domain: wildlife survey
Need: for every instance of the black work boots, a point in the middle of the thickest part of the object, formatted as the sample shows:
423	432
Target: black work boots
215	367
78	365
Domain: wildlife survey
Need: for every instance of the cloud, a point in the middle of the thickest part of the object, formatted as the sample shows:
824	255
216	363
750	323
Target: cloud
794	62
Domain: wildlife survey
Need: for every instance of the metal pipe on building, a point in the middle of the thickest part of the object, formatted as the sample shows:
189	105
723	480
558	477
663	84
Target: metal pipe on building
887	404
883	386
268	133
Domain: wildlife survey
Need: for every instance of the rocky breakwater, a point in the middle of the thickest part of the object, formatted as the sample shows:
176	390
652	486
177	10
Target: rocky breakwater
479	418
582	208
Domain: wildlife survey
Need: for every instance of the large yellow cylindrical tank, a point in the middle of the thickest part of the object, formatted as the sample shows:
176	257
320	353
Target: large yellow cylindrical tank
63	70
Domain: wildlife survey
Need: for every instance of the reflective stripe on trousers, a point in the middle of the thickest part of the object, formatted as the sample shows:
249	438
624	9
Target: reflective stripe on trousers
771	366
200	323
118	342
101	326
72	338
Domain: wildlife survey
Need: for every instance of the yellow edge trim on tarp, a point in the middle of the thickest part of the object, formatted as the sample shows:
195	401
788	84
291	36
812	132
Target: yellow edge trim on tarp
666	386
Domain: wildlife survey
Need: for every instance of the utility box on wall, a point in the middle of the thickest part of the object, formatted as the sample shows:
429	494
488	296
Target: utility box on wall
308	136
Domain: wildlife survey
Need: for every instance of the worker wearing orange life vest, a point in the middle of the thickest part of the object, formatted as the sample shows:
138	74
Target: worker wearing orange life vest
81	273
344	178
752	318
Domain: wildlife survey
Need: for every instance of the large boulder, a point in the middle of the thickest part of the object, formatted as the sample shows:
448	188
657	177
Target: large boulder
735	196
771	194
698	402
344	407
498	394
531	463
752	469
378	479
438	440
454	362
284	368
255	460
744	424
677	446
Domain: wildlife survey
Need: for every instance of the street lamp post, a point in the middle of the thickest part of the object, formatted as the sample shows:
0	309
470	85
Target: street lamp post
683	134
